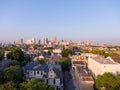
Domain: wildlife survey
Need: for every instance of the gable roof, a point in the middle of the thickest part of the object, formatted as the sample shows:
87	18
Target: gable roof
30	66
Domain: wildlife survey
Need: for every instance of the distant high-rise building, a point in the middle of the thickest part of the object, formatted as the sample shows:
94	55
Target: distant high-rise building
31	41
14	43
54	39
43	41
46	41
20	41
39	41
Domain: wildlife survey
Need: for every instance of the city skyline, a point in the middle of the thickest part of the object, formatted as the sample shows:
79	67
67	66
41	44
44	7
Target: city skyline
92	21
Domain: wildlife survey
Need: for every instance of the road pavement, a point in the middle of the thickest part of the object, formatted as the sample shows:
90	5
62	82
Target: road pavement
70	81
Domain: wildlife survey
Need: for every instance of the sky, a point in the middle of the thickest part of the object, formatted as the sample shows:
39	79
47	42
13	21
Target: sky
78	20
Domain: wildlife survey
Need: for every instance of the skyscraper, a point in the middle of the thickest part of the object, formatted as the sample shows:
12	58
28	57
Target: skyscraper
39	41
46	41
31	41
54	39
43	41
20	41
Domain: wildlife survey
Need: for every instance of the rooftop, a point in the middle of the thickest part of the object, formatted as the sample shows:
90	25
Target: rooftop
40	67
103	60
78	62
30	66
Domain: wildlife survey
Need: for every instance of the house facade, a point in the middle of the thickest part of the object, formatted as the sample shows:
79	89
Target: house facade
52	74
99	65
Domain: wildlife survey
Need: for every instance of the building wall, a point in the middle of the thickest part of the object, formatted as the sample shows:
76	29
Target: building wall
115	69
35	74
99	69
77	58
51	74
57	82
52	81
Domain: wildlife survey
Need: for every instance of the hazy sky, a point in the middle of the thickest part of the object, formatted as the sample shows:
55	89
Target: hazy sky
79	20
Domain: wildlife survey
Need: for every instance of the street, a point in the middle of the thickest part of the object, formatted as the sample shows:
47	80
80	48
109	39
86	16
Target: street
69	81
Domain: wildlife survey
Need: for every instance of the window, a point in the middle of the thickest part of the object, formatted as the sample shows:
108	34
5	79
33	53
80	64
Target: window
34	73
54	81
37	72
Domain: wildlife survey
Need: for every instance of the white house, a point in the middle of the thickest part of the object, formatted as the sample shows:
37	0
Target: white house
52	74
99	65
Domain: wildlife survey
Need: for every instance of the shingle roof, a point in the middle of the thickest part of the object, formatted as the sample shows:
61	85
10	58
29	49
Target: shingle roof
35	66
30	66
103	60
40	67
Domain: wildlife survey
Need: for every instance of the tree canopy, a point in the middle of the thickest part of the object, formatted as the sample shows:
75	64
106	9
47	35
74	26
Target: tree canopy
51	88
74	48
108	81
8	86
1	54
33	84
104	53
98	51
42	61
66	52
17	54
1	77
65	63
13	73
14	62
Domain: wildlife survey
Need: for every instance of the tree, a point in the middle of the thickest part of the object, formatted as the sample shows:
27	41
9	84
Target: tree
51	88
107	81
42	61
48	48
105	54
65	63
35	46
17	54
14	62
118	82
66	52
33	84
42	52
74	48
13	73
8	86
1	77
27	58
1	54
98	51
